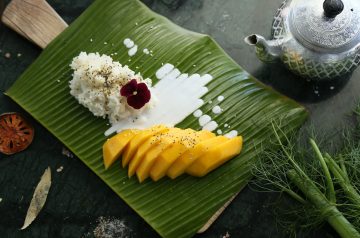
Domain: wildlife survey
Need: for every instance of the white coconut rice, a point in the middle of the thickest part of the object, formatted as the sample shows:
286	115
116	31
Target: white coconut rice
96	84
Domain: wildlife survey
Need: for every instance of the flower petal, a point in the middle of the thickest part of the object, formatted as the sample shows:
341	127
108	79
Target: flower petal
135	102
128	89
143	92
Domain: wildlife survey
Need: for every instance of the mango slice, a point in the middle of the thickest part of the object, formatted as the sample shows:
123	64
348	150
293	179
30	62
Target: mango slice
138	140
190	156
187	141
165	141
215	157
160	150
114	146
153	141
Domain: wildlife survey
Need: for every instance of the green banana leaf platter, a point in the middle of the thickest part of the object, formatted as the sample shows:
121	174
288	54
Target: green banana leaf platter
174	208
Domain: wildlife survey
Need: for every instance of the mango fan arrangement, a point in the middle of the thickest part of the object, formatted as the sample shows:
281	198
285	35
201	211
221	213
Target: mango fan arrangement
160	151
326	188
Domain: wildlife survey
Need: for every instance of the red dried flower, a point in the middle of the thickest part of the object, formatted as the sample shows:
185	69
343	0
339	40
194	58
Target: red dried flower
137	94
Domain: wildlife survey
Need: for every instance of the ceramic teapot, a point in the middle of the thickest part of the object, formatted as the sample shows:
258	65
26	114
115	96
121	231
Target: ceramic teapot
316	39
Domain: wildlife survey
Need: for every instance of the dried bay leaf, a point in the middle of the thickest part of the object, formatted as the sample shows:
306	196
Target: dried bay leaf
39	198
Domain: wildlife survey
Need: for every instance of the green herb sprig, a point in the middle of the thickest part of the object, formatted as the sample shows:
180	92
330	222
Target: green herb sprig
319	183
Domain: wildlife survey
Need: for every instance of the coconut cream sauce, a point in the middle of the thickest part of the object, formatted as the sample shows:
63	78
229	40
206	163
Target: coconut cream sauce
128	43
131	46
133	50
177	96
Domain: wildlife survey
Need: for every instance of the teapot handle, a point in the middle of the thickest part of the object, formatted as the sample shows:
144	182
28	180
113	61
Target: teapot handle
332	8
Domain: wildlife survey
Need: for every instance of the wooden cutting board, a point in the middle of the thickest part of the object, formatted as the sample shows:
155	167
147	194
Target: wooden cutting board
38	22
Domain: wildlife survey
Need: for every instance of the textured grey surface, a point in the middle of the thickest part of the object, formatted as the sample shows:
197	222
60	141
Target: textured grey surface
78	198
229	22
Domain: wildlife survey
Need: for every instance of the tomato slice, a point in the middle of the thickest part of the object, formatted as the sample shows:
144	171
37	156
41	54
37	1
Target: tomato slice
16	134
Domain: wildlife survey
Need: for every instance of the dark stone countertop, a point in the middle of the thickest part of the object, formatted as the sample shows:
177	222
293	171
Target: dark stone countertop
79	198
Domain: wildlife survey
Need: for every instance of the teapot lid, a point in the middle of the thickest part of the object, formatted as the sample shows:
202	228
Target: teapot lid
331	26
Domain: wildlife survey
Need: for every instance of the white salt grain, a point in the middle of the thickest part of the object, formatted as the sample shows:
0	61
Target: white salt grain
60	169
227	235
219	132
111	227
220	98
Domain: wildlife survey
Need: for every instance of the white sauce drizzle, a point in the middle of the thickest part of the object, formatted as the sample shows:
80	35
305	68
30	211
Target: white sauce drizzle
217	110
198	113
164	70
232	134
204	119
210	126
174	74
219	132
133	50
146	51
128	43
221	98
177	96
226	125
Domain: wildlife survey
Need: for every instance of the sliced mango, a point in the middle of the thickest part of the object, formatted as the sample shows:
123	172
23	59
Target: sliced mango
166	140
148	161
160	151
162	137
215	157
114	146
137	140
185	160
187	141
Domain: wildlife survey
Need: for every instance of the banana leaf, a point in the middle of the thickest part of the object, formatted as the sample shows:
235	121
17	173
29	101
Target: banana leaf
174	208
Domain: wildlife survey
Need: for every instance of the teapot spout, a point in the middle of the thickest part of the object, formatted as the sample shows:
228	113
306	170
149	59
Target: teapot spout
266	51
